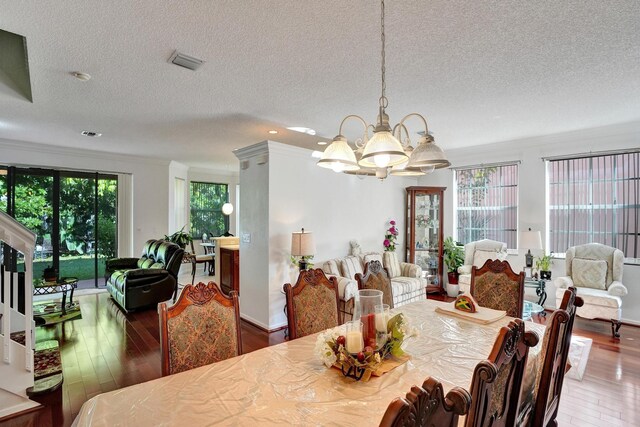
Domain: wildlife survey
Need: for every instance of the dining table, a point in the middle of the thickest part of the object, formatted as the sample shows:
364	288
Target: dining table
287	384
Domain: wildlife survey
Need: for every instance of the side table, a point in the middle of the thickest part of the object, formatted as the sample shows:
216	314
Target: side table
539	286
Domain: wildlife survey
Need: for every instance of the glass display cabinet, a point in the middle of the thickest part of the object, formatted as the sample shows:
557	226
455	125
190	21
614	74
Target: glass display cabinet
424	233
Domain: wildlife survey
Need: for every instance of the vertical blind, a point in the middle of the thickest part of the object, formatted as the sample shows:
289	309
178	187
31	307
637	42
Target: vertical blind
487	204
206	209
595	199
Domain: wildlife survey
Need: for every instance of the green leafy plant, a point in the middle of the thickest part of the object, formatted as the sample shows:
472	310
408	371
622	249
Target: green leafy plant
453	254
544	262
180	238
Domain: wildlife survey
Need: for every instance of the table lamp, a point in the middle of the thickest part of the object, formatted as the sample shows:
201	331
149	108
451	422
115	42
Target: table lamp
304	246
227	209
530	240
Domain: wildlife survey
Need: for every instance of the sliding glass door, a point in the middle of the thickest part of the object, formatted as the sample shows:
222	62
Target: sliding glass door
74	215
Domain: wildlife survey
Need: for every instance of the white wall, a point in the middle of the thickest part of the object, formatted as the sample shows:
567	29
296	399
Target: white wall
149	183
532	187
337	208
179	171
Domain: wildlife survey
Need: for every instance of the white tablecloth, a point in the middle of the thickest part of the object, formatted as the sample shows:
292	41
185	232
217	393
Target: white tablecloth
287	385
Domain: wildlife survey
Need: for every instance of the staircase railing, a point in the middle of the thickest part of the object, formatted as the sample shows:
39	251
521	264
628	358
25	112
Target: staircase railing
16	238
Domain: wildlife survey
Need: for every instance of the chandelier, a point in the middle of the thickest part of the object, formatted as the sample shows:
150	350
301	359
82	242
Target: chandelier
384	153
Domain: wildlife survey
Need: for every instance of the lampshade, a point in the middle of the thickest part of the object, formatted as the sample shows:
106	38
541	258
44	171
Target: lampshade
382	150
339	156
427	153
302	243
530	240
227	208
402	169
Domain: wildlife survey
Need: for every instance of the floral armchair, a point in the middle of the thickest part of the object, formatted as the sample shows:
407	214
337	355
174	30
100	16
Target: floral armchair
596	271
476	254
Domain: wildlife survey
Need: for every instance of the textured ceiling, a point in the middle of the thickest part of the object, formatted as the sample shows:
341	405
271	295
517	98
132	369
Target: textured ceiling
480	71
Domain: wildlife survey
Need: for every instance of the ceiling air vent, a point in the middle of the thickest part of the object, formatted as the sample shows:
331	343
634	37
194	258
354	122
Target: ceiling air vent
185	61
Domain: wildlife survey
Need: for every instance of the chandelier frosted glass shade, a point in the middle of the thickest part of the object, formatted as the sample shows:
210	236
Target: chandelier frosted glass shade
382	150
427	154
338	156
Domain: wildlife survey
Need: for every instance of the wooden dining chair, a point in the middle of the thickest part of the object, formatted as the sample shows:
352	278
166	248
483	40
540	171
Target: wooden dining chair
497	382
376	277
202	327
312	303
496	286
554	354
427	406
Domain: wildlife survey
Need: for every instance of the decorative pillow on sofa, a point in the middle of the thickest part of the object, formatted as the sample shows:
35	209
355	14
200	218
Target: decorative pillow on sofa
350	266
589	273
480	257
373	256
331	267
391	263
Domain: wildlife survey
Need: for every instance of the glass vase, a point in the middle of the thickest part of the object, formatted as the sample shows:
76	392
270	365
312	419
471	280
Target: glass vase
365	311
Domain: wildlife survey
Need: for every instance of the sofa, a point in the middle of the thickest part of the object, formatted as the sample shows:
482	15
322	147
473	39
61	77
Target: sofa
475	255
144	282
595	270
407	283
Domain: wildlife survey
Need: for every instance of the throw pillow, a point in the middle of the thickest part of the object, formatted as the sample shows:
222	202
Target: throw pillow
480	257
331	267
350	266
373	256
589	273
391	263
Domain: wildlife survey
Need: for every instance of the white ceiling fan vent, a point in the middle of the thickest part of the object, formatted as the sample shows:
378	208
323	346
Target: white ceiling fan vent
185	61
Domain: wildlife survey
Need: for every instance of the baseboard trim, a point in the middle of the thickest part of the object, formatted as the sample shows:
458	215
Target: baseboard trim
262	328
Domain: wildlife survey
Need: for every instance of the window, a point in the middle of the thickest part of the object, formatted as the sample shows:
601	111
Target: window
595	199
206	209
487	203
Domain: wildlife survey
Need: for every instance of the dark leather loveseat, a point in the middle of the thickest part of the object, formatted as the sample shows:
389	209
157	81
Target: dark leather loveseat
140	282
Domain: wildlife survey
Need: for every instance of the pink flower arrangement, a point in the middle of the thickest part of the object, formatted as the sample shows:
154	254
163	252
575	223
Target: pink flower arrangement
390	237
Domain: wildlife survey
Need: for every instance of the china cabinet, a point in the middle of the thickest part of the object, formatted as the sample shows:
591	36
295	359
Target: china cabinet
424	233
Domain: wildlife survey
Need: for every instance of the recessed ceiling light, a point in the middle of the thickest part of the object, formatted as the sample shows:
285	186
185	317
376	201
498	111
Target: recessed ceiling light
322	142
316	154
273	132
83	77
300	129
91	134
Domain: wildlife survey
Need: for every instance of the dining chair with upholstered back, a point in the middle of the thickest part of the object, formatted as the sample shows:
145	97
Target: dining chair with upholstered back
554	354
497	382
427	406
202	327
376	277
312	303
496	286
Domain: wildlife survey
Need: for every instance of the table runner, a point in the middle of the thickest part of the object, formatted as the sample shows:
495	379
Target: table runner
287	385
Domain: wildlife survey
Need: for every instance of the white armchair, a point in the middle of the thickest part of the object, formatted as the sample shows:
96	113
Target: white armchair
476	254
596	271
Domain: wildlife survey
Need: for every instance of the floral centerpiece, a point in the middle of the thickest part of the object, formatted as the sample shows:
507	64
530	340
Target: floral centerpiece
331	349
390	237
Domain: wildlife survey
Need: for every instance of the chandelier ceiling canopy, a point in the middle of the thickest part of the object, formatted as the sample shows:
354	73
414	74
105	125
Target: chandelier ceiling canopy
386	152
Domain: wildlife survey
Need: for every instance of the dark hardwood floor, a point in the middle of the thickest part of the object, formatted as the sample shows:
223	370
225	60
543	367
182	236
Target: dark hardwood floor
107	350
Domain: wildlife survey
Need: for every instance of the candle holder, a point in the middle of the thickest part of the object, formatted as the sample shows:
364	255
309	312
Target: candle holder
365	311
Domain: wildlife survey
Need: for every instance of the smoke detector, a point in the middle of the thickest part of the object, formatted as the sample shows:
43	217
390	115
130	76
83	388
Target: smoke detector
91	133
185	61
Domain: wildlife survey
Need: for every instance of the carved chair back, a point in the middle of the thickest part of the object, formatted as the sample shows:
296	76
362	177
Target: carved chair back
427	406
376	277
555	351
312	303
496	383
202	327
496	286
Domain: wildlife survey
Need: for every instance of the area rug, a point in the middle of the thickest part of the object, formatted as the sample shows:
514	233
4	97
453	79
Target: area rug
46	358
48	313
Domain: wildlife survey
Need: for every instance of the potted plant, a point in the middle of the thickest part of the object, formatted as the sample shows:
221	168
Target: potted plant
543	265
180	238
454	258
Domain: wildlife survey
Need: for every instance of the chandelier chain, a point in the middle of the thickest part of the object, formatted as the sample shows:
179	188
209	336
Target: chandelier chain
383	98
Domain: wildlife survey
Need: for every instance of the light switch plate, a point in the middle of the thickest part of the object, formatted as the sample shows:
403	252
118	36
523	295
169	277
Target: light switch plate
246	237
